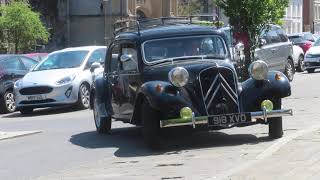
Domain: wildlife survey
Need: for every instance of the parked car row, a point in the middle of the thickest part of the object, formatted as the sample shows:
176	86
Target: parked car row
62	78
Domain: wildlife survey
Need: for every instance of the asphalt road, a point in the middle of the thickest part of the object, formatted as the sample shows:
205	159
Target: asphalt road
69	147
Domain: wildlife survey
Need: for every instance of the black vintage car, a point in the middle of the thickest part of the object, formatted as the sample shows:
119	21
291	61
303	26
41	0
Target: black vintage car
180	75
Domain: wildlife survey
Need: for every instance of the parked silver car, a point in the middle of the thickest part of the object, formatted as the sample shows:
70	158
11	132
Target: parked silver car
62	78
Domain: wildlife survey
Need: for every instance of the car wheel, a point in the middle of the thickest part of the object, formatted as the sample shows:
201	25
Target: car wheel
289	71
84	97
310	70
8	102
151	126
26	110
301	67
275	124
103	124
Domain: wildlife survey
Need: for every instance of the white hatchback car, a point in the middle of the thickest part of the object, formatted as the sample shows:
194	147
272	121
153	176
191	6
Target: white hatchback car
64	77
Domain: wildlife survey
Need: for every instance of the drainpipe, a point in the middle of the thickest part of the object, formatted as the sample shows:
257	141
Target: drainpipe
68	22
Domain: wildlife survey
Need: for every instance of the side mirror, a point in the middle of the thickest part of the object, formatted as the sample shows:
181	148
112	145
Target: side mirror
94	66
262	42
239	47
126	57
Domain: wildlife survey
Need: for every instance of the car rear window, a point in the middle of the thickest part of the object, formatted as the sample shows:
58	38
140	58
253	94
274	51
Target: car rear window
297	39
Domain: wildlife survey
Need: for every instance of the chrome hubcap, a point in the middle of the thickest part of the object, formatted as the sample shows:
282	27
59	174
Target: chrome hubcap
302	65
10	104
85	96
289	71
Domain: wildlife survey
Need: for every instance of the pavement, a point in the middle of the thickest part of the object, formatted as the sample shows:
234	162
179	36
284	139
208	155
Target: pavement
69	148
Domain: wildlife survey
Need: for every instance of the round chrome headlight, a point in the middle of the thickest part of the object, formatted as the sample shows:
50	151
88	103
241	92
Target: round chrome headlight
259	70
179	76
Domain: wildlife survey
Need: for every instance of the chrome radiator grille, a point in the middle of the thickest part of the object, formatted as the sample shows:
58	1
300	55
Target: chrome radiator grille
219	90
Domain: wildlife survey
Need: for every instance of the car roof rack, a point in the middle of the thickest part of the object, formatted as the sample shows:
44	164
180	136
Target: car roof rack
134	24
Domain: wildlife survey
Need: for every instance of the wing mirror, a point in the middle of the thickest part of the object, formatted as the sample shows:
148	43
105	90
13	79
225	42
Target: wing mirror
126	58
239	47
94	66
262	42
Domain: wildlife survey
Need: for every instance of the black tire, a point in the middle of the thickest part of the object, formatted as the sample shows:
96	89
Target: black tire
301	67
275	124
26	110
289	70
84	96
103	124
310	70
151	126
8	103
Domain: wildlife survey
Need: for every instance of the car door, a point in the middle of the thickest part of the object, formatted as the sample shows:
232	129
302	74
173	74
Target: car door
126	81
263	52
129	78
284	50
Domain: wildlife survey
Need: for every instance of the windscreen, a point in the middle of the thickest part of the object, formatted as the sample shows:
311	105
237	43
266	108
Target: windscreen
171	48
62	60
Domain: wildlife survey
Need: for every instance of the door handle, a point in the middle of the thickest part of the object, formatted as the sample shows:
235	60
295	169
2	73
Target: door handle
274	49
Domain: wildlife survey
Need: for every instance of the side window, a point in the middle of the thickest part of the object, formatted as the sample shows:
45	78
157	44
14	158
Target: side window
273	36
282	35
28	63
13	64
115	63
97	56
132	64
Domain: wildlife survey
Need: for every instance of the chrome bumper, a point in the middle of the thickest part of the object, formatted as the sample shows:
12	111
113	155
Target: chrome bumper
204	119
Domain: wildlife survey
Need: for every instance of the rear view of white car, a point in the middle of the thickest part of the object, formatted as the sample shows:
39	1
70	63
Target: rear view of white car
63	78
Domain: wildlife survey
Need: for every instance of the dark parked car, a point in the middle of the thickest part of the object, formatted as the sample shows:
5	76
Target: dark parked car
12	68
180	75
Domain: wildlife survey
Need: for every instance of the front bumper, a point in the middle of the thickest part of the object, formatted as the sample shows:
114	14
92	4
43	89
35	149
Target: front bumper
57	97
203	120
312	63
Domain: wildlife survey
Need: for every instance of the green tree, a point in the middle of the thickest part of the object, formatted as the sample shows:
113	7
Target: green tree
20	27
250	18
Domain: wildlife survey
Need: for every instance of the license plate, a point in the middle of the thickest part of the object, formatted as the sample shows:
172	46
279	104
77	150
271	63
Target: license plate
229	119
35	98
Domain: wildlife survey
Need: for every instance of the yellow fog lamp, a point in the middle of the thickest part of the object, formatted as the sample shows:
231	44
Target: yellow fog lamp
186	113
267	105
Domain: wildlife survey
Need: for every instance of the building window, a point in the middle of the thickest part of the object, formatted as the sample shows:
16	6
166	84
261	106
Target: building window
140	2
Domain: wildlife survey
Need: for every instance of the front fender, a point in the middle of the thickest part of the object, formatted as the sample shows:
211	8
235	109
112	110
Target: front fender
168	101
253	92
101	92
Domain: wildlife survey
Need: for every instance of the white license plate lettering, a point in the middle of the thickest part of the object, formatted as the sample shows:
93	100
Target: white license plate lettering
35	98
223	120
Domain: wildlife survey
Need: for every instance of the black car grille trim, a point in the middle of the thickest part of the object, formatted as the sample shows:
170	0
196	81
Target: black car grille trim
36	90
223	84
38	101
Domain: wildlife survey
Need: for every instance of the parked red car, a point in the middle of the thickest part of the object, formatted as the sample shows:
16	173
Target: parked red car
37	56
303	40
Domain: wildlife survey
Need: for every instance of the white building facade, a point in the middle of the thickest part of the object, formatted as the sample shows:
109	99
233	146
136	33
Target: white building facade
293	19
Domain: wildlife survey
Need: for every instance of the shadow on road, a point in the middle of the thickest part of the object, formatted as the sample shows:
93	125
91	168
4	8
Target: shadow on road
129	143
43	112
